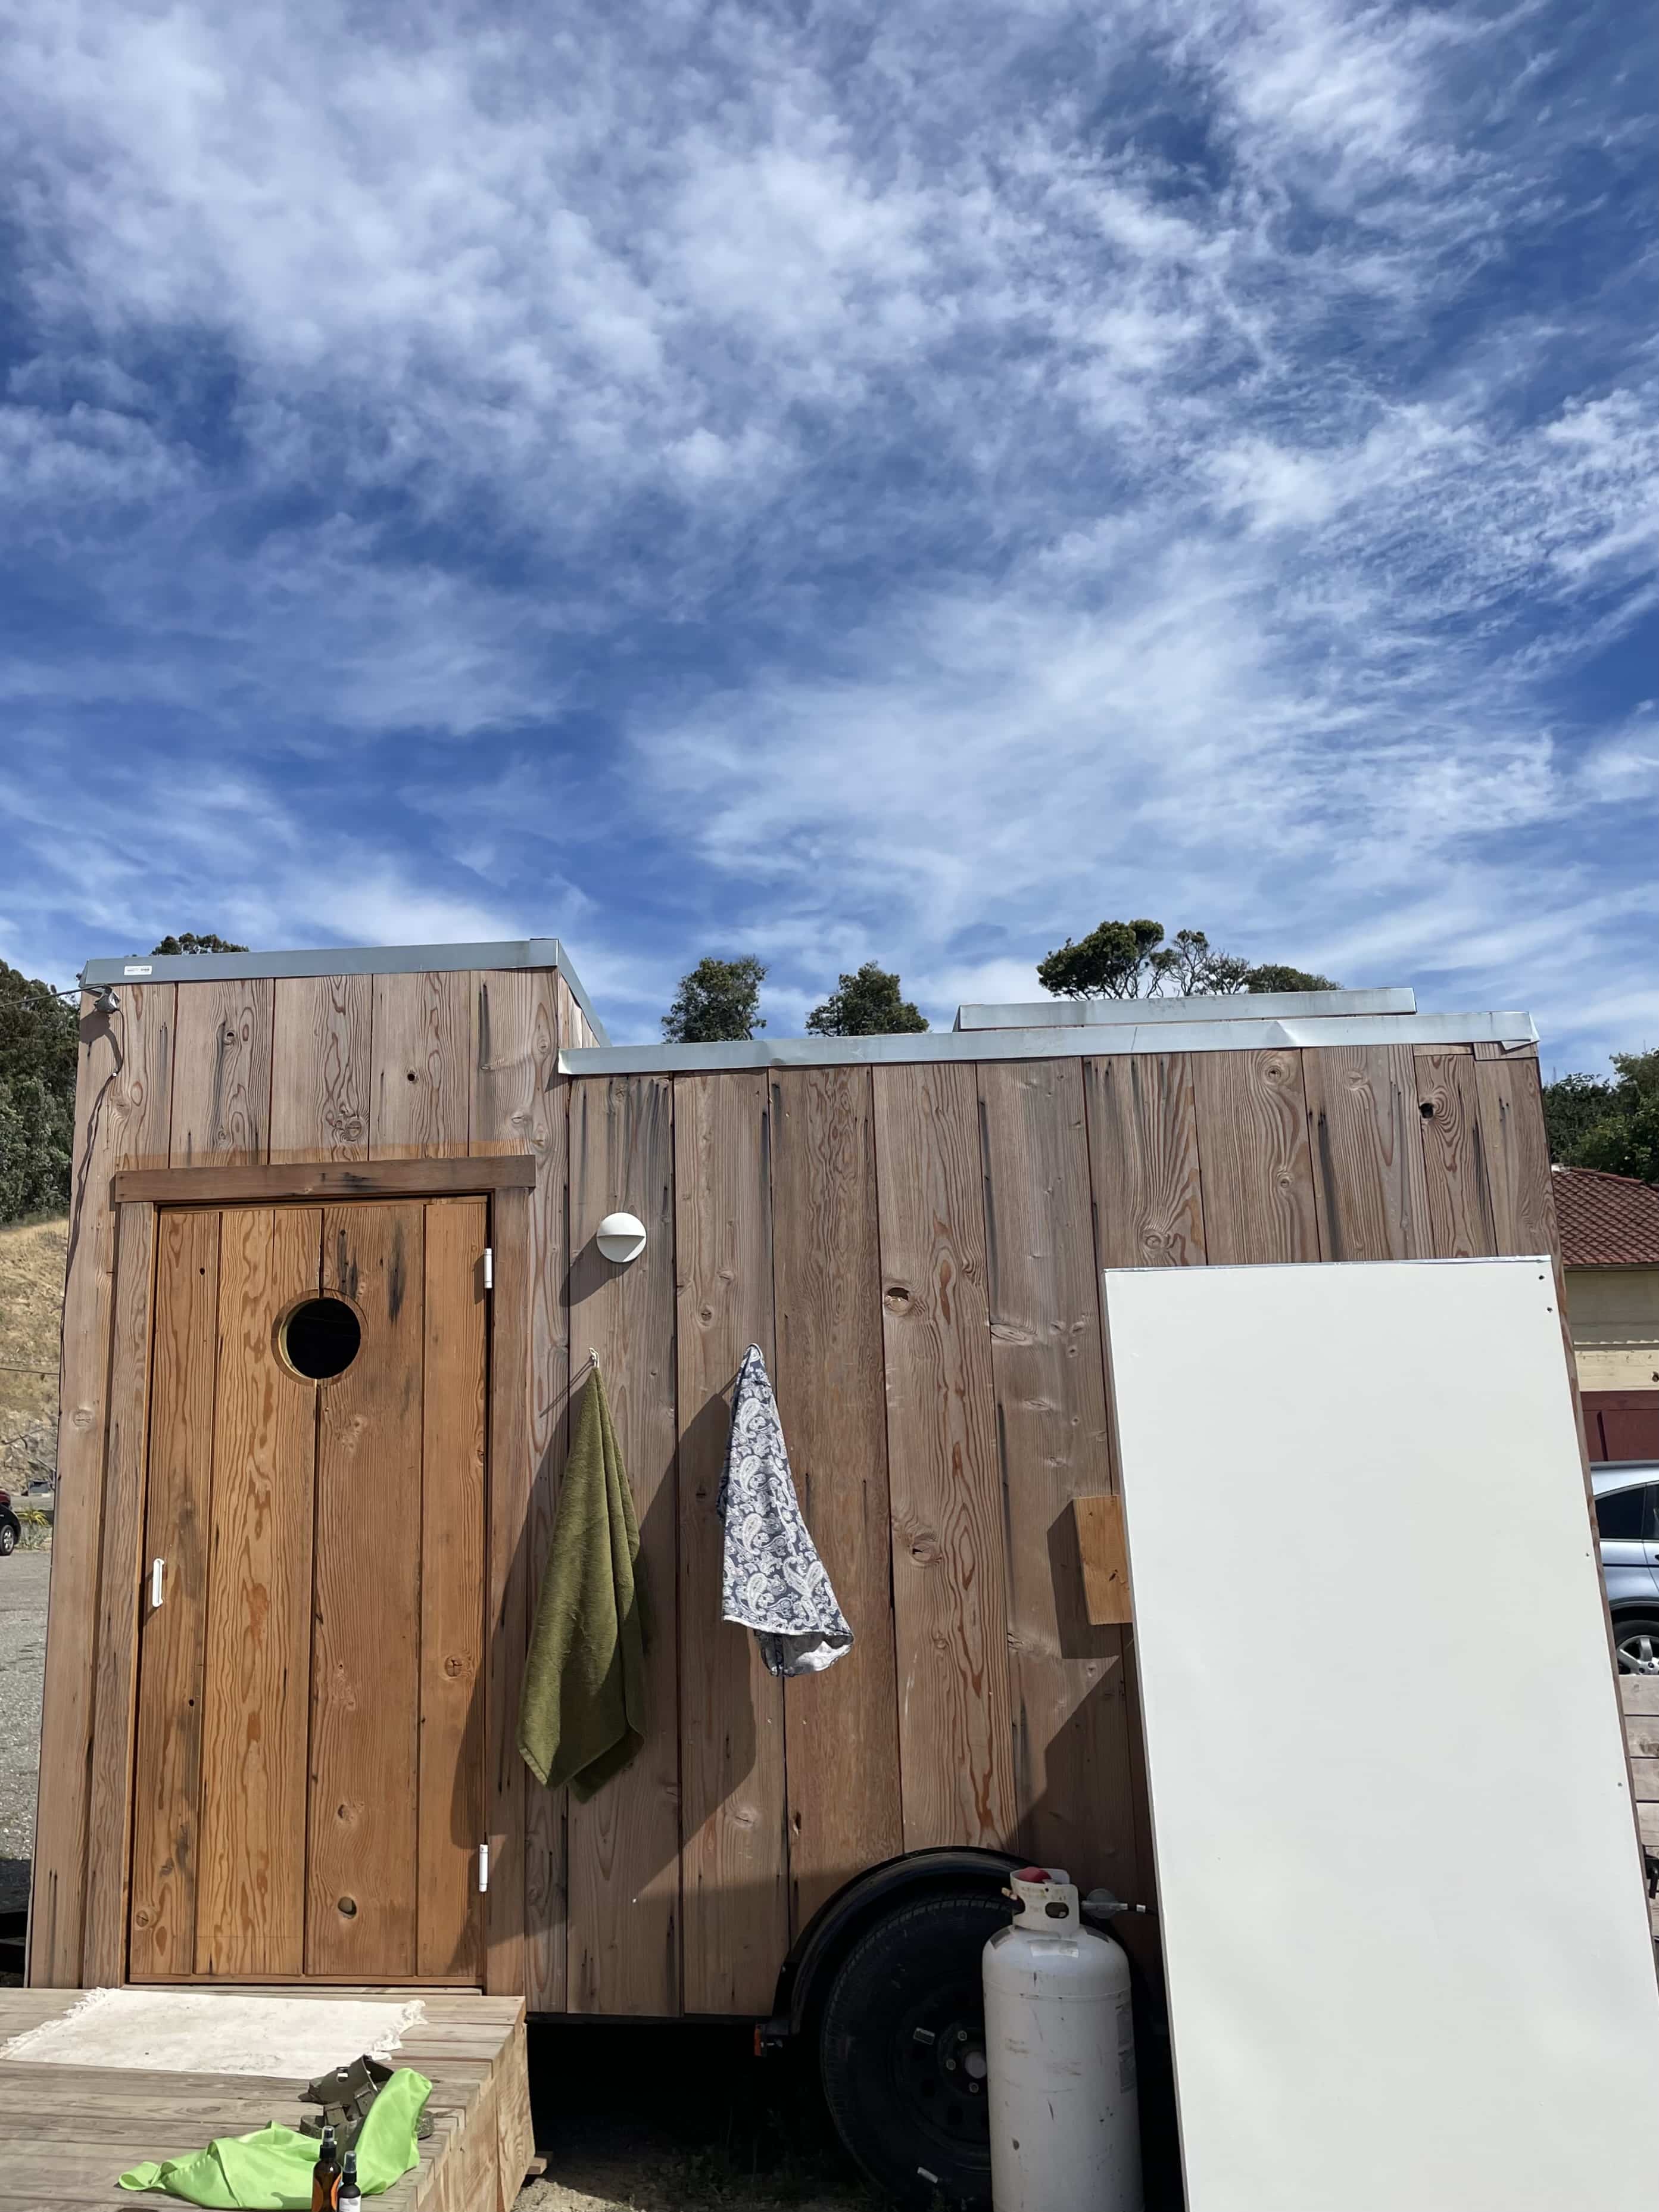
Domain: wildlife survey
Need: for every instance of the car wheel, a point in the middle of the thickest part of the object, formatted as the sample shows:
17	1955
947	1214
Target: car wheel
8	1538
901	2050
1635	1638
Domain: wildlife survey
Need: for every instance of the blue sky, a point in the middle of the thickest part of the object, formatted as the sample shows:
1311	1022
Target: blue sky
837	482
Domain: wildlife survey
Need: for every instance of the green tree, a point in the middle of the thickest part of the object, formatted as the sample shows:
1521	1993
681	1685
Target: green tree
1273	975
1112	962
1613	1126
718	1002
1132	960
191	943
38	1044
868	1003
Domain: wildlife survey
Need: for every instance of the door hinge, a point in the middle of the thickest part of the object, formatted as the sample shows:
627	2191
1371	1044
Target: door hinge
484	1869
489	1268
157	1587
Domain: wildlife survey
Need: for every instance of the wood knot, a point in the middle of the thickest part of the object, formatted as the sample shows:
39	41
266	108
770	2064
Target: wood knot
347	1906
897	1300
454	1668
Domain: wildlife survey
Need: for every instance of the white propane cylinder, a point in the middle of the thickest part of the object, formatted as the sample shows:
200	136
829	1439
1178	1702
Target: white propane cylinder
1059	2047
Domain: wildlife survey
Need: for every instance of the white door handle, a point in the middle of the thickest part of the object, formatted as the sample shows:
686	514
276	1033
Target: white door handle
156	1567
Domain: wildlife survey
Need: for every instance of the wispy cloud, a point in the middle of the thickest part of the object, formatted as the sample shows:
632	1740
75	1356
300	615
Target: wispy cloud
900	482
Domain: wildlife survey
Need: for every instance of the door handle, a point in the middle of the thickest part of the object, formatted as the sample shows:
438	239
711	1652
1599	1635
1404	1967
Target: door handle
157	1568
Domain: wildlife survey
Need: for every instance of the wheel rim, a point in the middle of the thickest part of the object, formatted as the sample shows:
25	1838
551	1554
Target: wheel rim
938	2063
1638	1651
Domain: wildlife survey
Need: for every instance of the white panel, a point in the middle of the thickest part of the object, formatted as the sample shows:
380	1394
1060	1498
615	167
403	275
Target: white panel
1405	1926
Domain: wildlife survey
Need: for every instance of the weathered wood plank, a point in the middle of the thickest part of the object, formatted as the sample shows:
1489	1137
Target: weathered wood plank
421	1035
734	1868
321	1068
506	1626
122	1108
222	1073
363	1826
260	1185
520	1105
1252	1147
840	1728
250	1903
1070	1735
1645	1779
1517	1151
949	1594
624	1889
168	1770
1641	1733
452	1588
1640	1693
1459	1180
1143	1133
1104	1553
109	1822
1369	1177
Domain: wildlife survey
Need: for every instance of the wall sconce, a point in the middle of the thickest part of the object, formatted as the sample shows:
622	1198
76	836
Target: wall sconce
107	1002
621	1238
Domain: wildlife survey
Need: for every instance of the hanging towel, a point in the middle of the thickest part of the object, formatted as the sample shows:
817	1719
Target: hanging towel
773	1580
582	1715
271	2170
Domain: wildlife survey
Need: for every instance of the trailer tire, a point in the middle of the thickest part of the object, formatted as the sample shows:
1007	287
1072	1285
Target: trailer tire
901	2050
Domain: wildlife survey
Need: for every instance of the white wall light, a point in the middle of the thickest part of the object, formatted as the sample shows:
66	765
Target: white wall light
621	1238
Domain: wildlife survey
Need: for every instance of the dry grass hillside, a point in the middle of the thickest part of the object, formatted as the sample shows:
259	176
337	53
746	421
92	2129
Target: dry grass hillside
32	1261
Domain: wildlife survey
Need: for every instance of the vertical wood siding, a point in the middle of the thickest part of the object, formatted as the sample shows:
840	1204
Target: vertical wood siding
840	1728
917	1251
734	1901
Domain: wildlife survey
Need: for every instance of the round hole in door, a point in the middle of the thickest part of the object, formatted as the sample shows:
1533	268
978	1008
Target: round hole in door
320	1338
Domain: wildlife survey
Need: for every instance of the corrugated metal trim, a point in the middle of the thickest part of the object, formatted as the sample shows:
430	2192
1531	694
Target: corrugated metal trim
347	960
1110	1013
1049	1044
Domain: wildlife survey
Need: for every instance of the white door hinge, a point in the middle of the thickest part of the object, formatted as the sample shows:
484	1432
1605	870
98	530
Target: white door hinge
489	1268
484	1869
157	1568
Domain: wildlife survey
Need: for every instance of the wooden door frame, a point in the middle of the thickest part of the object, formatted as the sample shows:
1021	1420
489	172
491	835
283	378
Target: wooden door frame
506	1182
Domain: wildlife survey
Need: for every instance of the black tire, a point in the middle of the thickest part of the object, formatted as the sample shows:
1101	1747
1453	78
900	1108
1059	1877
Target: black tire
8	1539
1635	1638
901	2050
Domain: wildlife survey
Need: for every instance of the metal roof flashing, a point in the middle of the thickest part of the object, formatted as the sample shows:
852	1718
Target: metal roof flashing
1073	1039
346	960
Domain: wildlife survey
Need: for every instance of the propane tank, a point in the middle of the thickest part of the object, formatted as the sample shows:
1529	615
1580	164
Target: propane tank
1059	2047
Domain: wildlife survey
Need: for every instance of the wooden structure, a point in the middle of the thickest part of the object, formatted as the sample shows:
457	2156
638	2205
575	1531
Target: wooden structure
1640	1695
71	2130
911	1229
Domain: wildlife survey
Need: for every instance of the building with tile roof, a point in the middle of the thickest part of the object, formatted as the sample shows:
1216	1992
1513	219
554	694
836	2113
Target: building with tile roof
1610	1249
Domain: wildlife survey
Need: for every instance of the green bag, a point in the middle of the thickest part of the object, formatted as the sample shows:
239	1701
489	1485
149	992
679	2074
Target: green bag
271	2170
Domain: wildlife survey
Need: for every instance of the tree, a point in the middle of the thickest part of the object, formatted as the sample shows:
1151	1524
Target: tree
1131	960
718	1002
1112	962
191	943
867	1003
1613	1126
38	1044
1272	975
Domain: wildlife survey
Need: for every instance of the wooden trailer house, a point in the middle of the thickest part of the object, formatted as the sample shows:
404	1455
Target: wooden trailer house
288	1617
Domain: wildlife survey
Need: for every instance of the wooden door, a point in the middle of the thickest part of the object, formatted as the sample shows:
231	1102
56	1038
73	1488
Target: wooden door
308	1787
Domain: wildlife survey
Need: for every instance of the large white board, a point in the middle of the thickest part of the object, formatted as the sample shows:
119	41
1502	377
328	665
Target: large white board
1404	1920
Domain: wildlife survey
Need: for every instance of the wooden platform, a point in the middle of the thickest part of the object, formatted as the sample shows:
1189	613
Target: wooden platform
70	2131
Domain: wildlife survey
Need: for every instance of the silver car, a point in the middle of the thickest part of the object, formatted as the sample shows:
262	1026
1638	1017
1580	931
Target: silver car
1627	1521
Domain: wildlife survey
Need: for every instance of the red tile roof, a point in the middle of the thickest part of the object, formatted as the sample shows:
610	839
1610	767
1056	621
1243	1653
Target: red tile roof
1606	1221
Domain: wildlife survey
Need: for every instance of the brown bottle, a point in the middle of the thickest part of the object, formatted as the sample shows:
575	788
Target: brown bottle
326	2177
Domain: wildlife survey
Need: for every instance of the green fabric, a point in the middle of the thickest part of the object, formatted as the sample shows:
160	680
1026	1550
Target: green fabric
272	2168
582	1715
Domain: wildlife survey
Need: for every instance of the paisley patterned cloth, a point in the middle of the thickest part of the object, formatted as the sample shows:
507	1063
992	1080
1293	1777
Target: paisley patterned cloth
773	1580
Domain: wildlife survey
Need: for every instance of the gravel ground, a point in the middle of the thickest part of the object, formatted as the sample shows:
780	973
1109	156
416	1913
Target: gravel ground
23	1579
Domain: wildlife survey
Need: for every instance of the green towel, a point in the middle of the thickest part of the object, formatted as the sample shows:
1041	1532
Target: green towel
582	1715
271	2169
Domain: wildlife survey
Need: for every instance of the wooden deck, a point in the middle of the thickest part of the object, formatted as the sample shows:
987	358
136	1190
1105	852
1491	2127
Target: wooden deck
68	2131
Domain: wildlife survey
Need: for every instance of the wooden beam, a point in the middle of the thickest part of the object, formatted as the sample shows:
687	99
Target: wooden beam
1105	1559
261	1186
116	1664
507	1568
